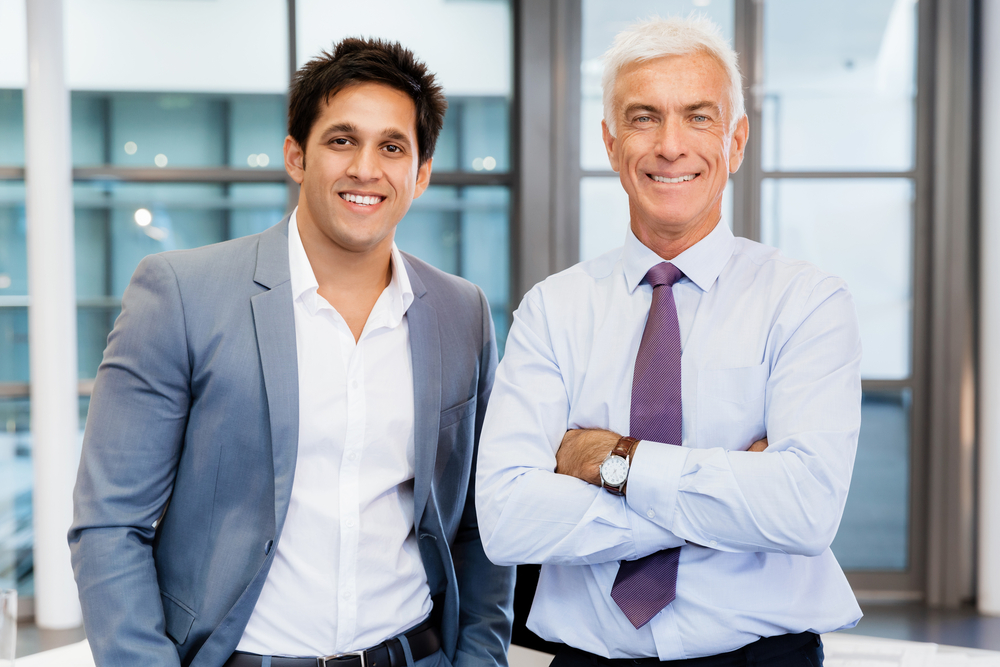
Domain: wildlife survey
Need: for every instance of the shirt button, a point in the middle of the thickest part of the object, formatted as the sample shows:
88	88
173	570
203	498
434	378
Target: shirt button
354	384
713	543
352	456
350	523
347	595
650	513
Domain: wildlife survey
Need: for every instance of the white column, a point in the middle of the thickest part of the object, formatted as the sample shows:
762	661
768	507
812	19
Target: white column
989	334
51	314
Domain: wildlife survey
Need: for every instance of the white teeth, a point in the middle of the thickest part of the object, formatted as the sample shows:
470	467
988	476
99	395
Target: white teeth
366	200
679	179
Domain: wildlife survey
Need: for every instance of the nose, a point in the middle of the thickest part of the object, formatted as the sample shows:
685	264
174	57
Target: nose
365	164
670	140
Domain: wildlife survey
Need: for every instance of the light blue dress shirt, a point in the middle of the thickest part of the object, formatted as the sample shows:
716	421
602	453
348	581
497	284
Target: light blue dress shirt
770	346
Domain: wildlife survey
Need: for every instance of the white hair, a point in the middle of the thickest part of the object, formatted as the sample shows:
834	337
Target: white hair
657	38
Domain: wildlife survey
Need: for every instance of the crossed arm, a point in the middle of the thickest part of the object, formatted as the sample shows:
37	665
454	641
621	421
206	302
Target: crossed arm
583	449
789	499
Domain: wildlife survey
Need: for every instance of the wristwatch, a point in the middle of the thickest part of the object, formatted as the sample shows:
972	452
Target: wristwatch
615	467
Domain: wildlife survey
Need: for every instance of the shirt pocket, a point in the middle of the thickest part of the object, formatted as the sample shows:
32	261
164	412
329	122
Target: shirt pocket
731	404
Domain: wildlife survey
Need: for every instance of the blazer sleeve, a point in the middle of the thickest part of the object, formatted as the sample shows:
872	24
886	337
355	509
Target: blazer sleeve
134	434
486	591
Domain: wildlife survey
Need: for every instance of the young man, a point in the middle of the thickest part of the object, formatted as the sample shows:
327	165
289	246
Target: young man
685	336
281	437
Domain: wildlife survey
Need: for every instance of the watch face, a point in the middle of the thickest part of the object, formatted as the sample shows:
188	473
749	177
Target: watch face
614	471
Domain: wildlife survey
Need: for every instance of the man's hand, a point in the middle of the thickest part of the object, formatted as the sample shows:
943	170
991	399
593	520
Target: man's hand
584	449
581	452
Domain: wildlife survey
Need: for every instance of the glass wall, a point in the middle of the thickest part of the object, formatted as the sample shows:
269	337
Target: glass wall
838	190
180	146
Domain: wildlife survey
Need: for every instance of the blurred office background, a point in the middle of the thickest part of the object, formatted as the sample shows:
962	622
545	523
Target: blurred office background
864	158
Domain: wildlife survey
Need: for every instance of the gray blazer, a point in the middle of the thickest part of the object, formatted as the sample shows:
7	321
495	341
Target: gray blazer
190	451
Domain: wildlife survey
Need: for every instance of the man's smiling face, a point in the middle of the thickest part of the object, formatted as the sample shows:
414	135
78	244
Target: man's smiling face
359	172
674	151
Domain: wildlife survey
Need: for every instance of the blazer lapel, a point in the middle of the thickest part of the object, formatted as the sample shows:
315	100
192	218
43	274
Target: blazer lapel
274	321
425	352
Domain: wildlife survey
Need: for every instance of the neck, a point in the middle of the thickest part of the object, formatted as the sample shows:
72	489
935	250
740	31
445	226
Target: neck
670	243
350	281
338	269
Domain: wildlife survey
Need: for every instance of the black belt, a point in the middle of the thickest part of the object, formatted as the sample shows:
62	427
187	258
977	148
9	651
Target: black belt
761	650
423	641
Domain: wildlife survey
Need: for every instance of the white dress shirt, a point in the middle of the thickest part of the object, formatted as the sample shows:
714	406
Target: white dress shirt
347	573
769	346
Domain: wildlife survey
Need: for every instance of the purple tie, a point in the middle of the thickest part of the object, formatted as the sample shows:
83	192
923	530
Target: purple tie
643	587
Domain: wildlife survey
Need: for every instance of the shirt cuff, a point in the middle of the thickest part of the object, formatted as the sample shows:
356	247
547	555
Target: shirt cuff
653	482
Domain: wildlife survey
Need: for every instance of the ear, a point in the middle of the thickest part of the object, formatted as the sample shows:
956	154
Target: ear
610	143
423	178
738	144
295	160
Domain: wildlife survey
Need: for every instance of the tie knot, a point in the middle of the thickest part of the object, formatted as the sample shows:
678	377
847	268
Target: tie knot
663	273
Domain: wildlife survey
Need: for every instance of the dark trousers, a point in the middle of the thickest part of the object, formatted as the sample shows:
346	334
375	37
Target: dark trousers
801	650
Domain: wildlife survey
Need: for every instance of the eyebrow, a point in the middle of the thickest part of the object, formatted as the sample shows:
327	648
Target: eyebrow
640	107
703	104
339	128
695	106
396	135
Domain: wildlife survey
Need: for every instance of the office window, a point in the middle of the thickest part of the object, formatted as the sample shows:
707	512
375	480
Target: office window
838	184
15	460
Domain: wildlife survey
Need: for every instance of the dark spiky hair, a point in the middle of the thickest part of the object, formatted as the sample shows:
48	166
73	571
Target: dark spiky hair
356	60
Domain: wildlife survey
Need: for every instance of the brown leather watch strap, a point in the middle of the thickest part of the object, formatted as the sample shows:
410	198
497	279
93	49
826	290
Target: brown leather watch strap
624	447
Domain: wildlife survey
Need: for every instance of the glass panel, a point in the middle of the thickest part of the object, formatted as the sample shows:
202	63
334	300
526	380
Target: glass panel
840	85
13	248
602	20
13	285
11	128
236	46
873	531
15	496
178	130
862	231
110	241
468	45
475	136
604	214
13	344
16	532
13	45
465	231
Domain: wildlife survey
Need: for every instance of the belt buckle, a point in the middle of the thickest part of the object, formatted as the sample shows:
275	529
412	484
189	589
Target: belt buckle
325	660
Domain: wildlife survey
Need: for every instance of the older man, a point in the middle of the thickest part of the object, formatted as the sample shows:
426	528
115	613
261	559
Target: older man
685	336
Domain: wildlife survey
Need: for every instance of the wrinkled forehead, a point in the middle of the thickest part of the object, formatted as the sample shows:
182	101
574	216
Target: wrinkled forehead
681	79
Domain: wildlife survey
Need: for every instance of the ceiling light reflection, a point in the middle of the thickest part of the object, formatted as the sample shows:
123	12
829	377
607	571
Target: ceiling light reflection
143	217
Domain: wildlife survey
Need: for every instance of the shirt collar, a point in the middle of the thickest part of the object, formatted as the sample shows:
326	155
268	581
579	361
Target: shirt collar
701	263
306	289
